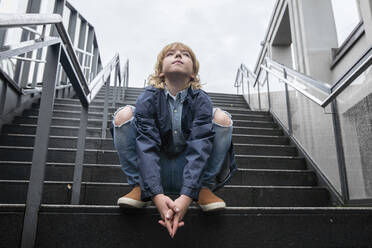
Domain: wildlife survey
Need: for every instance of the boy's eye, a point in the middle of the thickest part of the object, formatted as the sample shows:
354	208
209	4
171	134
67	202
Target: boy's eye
186	54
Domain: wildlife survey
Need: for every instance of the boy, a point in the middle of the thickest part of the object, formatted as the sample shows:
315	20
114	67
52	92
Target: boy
173	141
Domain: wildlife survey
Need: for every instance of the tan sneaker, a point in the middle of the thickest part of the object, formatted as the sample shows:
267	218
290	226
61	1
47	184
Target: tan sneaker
132	199
209	201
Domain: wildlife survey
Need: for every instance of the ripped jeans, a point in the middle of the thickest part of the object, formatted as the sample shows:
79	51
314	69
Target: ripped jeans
171	168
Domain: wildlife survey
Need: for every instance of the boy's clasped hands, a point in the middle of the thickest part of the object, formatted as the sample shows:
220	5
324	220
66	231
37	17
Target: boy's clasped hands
172	212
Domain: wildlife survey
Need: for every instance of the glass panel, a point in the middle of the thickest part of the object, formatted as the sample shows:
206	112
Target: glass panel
313	130
319	94
277	99
245	89
253	95
263	91
355	114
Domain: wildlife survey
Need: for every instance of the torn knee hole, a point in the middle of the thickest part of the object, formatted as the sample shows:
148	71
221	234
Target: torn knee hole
221	118
123	116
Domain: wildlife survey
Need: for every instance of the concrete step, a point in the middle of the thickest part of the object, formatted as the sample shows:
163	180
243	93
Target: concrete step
99	100
67	155
97	132
56	192
63	121
72	107
111	227
98	115
114	174
27	140
270	162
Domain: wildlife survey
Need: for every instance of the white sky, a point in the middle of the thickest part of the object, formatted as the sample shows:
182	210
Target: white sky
222	33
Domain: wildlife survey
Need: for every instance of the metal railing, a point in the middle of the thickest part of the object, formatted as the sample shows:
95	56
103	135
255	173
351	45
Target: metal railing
59	50
256	94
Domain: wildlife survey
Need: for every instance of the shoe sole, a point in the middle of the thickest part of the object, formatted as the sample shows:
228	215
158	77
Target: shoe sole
130	203
213	206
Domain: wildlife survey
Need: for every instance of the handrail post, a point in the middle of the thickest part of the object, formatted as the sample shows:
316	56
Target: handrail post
268	87
258	93
79	159
105	108
340	152
249	92
289	117
114	88
36	182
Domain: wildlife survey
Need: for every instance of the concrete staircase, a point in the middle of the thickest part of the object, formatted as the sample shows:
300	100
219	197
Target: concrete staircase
273	200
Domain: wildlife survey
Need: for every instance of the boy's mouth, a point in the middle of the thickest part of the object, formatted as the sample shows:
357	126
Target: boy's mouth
177	61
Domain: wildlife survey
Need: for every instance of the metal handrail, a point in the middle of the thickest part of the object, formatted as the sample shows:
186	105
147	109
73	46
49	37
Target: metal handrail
60	50
331	91
19	20
284	75
97	83
284	80
301	77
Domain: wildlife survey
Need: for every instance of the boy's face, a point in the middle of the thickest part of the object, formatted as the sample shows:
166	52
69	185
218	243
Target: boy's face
177	61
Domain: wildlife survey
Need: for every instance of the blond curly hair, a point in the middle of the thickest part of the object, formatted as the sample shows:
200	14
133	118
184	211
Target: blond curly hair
158	81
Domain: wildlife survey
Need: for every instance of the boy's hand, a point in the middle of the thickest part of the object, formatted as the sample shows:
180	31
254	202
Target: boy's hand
181	204
165	206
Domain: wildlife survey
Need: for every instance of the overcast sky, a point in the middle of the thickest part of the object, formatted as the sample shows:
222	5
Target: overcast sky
222	33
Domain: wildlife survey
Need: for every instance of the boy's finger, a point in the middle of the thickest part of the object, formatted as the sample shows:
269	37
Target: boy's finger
175	225
169	214
181	224
161	222
170	204
169	227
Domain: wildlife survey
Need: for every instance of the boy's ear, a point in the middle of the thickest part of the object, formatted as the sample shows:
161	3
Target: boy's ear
161	74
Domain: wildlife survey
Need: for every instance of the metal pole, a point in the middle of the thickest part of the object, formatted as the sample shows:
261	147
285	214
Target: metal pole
340	153
105	110
288	106
79	159
258	93
35	187
115	87
268	90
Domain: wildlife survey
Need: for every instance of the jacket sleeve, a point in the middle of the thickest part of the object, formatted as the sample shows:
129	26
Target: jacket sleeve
148	144
199	146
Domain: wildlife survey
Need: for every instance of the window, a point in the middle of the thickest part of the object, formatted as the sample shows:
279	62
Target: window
347	17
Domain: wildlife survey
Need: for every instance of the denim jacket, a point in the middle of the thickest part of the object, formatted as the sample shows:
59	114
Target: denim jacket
154	134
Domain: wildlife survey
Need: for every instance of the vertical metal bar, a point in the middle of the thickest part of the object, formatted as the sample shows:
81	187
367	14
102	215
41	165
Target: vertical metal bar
59	6
268	90
3	95
35	187
340	153
89	49
242	84
22	70
105	108
258	92
115	87
79	159
289	117
3	33
95	61
72	23
36	70
82	38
